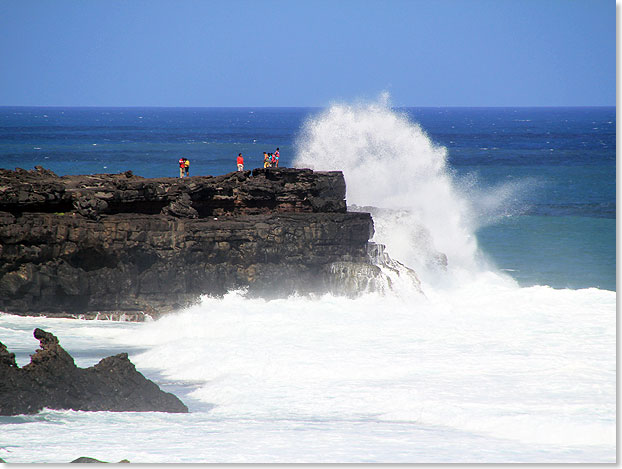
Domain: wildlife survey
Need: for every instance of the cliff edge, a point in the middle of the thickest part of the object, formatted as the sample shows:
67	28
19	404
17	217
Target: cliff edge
111	244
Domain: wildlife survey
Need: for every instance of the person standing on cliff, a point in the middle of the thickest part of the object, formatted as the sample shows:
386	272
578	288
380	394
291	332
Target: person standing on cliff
266	160
276	157
182	167
187	167
240	162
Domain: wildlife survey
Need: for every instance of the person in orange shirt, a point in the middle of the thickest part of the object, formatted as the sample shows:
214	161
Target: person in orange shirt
182	167
240	162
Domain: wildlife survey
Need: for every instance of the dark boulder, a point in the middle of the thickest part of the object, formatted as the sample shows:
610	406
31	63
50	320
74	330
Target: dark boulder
181	207
52	380
87	460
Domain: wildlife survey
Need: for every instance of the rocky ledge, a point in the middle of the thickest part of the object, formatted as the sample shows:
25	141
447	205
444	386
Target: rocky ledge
118	244
52	380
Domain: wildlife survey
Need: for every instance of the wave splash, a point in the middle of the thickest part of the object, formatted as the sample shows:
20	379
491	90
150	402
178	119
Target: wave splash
422	213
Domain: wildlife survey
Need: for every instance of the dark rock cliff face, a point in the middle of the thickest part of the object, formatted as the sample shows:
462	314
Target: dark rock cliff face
52	380
105	244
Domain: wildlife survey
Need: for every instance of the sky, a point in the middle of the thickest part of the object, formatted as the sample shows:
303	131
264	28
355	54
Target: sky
307	52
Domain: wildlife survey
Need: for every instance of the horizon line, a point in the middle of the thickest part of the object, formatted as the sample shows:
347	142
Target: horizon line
297	107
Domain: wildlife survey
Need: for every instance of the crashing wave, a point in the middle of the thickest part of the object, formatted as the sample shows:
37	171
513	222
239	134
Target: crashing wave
382	275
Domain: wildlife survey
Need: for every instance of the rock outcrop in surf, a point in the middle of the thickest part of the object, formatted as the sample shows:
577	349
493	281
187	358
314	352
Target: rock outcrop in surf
118	244
52	380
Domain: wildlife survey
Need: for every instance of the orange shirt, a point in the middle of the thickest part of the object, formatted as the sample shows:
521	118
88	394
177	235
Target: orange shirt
240	160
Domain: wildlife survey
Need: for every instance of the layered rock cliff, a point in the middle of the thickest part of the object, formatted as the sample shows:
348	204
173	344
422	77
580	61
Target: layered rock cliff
108	244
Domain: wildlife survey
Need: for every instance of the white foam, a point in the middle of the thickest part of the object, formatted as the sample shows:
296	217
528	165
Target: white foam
535	365
484	373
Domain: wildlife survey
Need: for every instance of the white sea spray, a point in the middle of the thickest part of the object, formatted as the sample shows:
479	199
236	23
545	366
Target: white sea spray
420	208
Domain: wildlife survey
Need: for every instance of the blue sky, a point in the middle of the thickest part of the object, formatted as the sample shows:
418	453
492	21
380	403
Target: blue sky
307	52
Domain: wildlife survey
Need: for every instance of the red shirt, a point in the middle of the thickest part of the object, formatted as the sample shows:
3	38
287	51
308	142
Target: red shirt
240	160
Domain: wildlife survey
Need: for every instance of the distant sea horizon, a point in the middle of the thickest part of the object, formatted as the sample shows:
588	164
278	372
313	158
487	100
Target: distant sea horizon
132	106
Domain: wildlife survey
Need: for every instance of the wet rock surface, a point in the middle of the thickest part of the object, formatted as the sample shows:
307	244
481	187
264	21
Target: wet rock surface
52	380
87	460
123	246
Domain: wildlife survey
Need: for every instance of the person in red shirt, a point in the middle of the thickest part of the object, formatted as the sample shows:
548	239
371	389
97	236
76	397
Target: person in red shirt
240	162
276	157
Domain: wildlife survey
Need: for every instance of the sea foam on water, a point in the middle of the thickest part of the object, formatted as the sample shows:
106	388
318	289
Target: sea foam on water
474	369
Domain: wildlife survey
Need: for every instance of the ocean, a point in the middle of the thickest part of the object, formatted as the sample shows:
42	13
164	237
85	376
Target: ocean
509	355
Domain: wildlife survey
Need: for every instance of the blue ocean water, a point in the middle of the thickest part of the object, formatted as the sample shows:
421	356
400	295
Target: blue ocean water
559	230
509	362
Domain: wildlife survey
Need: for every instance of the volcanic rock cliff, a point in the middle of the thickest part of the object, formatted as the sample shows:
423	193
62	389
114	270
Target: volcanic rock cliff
105	244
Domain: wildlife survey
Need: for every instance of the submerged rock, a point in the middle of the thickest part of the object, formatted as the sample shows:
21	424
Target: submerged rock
52	380
87	460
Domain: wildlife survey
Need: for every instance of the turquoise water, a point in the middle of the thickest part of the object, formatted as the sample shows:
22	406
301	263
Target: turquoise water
563	251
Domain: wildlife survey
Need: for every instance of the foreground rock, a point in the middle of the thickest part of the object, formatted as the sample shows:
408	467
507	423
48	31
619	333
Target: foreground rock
104	245
52	380
87	460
